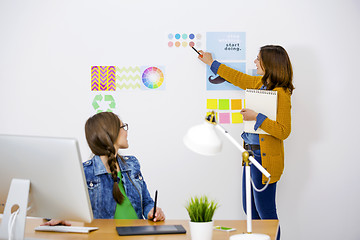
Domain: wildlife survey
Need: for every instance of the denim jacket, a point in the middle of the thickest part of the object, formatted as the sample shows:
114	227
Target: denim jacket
100	185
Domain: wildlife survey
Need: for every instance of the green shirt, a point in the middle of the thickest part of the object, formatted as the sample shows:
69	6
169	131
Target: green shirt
124	210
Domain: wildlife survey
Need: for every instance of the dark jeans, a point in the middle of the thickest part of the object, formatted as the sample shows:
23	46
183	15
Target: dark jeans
263	204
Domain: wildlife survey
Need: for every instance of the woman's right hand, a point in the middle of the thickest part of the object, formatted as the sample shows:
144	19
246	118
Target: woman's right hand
54	222
206	57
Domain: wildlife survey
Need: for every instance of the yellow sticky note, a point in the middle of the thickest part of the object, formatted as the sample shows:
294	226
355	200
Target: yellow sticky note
236	117
236	104
211	104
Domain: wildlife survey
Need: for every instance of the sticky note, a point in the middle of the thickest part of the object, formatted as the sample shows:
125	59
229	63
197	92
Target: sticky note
224	104
236	117
211	104
224	117
236	104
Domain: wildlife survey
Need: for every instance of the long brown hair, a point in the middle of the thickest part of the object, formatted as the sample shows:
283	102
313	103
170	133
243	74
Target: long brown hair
101	132
277	66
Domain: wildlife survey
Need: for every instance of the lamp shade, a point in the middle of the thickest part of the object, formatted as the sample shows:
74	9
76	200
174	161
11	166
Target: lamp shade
203	139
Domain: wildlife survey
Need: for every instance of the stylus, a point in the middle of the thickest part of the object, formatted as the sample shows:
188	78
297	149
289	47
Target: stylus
155	204
197	51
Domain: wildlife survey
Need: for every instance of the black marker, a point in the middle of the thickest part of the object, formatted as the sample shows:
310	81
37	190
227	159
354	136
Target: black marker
155	205
197	51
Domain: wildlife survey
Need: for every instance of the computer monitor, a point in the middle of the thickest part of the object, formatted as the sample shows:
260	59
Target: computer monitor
58	186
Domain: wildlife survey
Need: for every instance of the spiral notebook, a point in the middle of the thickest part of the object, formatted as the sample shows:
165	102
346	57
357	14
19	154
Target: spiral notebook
261	101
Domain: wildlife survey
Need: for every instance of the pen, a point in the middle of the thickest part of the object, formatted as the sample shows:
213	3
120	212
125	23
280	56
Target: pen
197	51
155	204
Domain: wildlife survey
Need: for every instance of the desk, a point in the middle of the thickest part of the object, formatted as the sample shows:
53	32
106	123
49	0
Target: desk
107	229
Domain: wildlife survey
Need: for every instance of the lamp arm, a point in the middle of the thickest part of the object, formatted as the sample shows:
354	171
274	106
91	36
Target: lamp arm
252	160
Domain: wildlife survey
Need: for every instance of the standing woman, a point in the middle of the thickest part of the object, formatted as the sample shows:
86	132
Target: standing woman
116	186
274	66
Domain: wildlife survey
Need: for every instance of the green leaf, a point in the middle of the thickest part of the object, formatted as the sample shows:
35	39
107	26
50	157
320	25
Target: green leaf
200	209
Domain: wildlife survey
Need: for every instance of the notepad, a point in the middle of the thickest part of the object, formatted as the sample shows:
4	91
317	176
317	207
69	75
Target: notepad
261	101
67	229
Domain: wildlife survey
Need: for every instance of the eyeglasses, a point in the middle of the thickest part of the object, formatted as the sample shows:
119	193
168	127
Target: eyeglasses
125	126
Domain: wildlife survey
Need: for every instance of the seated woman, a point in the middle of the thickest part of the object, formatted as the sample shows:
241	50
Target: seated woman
116	186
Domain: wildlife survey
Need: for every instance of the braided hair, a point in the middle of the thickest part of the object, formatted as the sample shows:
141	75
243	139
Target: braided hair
101	132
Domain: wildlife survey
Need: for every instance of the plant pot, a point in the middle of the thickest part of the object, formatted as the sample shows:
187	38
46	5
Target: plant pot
201	230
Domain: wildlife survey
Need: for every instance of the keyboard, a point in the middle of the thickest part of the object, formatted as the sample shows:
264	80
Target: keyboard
66	229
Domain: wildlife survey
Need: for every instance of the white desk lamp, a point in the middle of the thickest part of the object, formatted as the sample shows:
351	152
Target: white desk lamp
204	140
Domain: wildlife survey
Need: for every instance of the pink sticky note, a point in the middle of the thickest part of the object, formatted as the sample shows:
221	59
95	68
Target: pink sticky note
224	117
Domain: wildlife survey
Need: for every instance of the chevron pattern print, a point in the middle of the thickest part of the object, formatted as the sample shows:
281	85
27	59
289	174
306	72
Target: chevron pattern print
128	78
103	78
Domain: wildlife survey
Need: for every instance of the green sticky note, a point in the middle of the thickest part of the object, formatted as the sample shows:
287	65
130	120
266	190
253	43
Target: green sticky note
224	104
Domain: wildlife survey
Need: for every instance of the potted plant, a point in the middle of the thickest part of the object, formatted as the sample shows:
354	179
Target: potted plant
201	212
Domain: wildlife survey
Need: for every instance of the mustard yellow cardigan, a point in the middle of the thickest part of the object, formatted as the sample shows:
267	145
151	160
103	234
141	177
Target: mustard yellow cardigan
271	146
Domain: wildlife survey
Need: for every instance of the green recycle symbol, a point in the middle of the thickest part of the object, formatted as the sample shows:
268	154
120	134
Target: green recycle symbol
99	98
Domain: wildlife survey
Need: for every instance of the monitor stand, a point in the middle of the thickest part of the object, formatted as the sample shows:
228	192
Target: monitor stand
18	197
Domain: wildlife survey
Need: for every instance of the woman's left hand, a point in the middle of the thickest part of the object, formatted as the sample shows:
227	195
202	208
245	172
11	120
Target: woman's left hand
159	215
54	222
248	114
206	57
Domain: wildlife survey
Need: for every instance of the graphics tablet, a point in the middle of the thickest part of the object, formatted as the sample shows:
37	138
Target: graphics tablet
150	230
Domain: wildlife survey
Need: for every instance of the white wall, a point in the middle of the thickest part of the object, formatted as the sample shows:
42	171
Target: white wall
48	47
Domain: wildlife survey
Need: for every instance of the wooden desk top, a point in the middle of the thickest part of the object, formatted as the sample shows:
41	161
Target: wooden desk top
107	229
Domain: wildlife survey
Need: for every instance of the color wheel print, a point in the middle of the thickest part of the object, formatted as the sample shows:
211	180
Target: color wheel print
153	77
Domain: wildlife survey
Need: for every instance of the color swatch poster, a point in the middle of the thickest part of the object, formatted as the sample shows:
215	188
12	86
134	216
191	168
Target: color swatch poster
184	39
227	110
152	78
215	82
113	78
